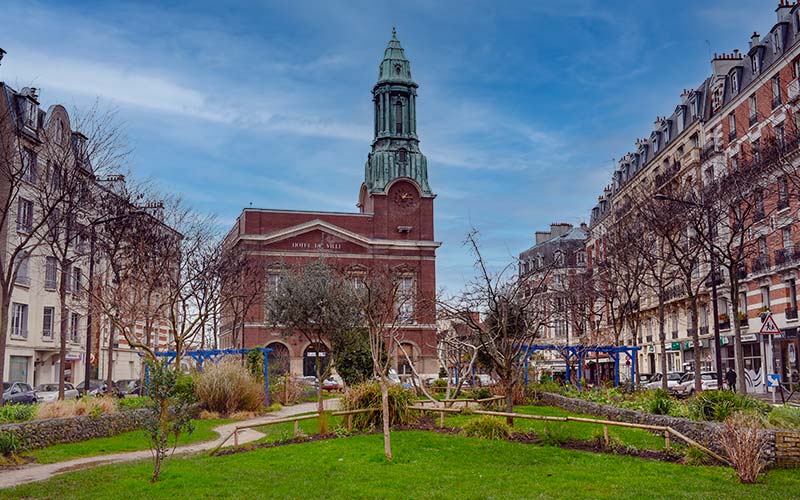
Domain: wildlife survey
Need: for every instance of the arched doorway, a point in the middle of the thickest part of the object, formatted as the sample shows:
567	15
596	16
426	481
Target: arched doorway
278	359
310	356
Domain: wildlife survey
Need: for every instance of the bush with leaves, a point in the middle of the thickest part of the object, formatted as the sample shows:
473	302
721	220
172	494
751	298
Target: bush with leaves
744	439
172	396
353	357
12	412
228	387
88	405
9	445
554	434
368	395
719	405
661	404
785	417
486	427
133	403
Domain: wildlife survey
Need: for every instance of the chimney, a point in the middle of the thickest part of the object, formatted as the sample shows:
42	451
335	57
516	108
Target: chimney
784	10
559	229
755	39
2	53
722	64
542	236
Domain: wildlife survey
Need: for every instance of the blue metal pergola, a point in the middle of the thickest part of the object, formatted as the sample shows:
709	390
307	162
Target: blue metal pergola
214	355
579	351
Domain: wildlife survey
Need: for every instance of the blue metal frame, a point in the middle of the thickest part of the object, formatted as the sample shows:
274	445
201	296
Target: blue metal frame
579	351
214	356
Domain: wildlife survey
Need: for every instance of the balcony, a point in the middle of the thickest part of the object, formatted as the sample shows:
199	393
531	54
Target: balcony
731	136
791	313
783	202
710	150
776	101
761	264
744	322
794	91
783	256
725	325
704	330
742	271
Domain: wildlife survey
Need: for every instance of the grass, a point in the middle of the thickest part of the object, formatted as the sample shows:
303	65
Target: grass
127	441
572	430
427	465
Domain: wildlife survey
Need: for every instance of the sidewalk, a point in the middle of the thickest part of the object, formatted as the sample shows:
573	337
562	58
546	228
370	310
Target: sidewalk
39	472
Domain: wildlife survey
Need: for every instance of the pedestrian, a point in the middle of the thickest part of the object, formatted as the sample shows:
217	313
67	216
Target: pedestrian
731	378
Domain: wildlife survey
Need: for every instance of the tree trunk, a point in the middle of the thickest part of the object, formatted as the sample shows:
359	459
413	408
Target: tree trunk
387	439
323	421
662	339
64	322
110	369
510	402
6	304
698	358
738	350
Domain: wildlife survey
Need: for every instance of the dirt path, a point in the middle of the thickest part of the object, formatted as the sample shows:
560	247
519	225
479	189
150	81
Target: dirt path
39	472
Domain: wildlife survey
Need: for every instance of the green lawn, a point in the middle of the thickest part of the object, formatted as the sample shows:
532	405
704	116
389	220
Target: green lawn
427	465
127	441
572	430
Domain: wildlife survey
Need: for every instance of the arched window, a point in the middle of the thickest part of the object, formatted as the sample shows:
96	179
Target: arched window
278	359
398	116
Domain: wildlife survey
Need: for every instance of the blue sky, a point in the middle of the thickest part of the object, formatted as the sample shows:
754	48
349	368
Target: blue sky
521	108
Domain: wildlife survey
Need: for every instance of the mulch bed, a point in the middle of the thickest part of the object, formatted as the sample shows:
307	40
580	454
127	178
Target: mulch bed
432	425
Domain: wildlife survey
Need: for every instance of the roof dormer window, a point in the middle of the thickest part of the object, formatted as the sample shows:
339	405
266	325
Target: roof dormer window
29	113
776	42
755	64
734	83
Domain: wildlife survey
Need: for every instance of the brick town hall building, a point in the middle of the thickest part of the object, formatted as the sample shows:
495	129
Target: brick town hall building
394	228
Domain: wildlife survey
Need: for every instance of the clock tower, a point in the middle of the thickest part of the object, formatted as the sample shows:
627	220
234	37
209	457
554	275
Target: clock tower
395	187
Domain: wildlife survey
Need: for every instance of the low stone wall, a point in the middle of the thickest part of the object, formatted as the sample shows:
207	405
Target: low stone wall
42	433
780	450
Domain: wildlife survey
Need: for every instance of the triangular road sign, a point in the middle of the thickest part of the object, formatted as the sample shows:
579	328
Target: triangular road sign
770	327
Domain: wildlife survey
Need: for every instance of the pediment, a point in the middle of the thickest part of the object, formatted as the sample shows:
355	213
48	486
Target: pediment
316	236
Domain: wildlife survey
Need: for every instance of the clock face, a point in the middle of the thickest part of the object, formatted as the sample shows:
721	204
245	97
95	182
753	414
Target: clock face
405	199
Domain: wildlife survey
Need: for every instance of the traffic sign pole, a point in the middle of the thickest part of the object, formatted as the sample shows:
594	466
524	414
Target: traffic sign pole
770	328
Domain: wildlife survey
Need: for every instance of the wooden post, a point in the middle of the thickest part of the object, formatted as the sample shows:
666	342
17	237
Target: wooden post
605	435
666	440
349	423
236	438
441	420
296	428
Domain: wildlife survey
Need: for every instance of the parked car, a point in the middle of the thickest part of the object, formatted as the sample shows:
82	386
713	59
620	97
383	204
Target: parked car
484	380
96	387
331	384
673	378
49	392
309	381
129	387
708	381
18	392
645	378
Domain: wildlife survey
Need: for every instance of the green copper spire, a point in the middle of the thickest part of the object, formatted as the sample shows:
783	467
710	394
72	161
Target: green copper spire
395	149
395	66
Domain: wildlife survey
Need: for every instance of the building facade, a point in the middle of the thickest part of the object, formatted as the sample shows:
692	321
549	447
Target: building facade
393	228
33	143
744	114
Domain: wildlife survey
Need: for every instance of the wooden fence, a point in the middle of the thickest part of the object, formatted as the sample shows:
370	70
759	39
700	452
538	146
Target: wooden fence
666	431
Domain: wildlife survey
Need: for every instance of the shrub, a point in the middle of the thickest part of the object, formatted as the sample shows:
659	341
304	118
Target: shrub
743	439
87	405
598	437
133	403
286	389
719	405
440	383
695	456
8	444
661	404
368	395
16	413
785	417
486	427
227	387
554	434
480	393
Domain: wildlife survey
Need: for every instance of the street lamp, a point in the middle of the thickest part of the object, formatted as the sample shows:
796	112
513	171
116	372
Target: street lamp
712	257
89	309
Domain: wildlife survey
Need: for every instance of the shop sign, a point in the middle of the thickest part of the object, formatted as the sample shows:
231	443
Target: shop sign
751	337
675	346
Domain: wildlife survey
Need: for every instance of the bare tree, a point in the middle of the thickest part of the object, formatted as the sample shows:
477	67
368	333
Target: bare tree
516	309
385	305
